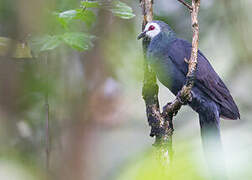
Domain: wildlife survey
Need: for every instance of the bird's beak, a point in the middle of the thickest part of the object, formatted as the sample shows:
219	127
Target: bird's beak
141	35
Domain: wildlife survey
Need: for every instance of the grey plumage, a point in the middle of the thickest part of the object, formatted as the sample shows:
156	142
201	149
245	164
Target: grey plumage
166	54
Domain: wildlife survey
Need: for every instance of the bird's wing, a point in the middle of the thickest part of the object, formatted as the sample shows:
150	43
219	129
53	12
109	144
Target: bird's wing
207	80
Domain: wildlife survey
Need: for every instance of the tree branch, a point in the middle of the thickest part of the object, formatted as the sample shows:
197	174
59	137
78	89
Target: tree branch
186	4
185	94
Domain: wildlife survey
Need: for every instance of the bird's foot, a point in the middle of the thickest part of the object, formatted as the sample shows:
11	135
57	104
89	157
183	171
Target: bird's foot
184	99
186	60
190	79
181	98
166	107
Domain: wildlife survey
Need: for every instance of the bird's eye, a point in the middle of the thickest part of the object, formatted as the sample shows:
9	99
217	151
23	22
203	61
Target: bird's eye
151	28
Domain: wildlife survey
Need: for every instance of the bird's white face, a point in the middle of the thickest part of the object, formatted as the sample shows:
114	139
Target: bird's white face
152	29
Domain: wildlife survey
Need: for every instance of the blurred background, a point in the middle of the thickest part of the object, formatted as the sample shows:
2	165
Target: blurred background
70	89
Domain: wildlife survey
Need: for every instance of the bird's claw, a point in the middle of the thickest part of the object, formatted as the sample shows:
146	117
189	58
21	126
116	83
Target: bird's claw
181	99
165	113
190	79
186	60
165	107
184	99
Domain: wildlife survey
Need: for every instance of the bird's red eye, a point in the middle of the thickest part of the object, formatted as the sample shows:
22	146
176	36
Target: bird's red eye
151	28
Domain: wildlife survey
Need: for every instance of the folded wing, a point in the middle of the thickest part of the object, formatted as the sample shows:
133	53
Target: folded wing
207	80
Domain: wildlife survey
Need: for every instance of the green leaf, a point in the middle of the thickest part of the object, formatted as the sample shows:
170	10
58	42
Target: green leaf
78	14
50	43
70	14
77	40
45	43
90	4
65	17
86	15
122	10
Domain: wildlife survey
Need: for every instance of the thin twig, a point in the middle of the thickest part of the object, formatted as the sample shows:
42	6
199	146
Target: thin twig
186	4
185	93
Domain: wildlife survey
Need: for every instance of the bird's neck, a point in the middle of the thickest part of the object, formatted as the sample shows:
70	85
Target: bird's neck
169	36
163	39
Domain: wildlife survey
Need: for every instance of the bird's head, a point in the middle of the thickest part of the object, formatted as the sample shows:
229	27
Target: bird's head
154	28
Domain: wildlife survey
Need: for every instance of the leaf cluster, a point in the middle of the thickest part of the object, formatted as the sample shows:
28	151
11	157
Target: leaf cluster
69	23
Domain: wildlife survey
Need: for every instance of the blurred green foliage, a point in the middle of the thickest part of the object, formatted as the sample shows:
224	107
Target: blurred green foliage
80	41
76	38
152	165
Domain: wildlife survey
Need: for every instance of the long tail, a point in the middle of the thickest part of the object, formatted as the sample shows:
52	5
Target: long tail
211	140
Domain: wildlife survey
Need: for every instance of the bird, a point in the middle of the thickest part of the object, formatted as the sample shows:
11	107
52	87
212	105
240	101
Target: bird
211	99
